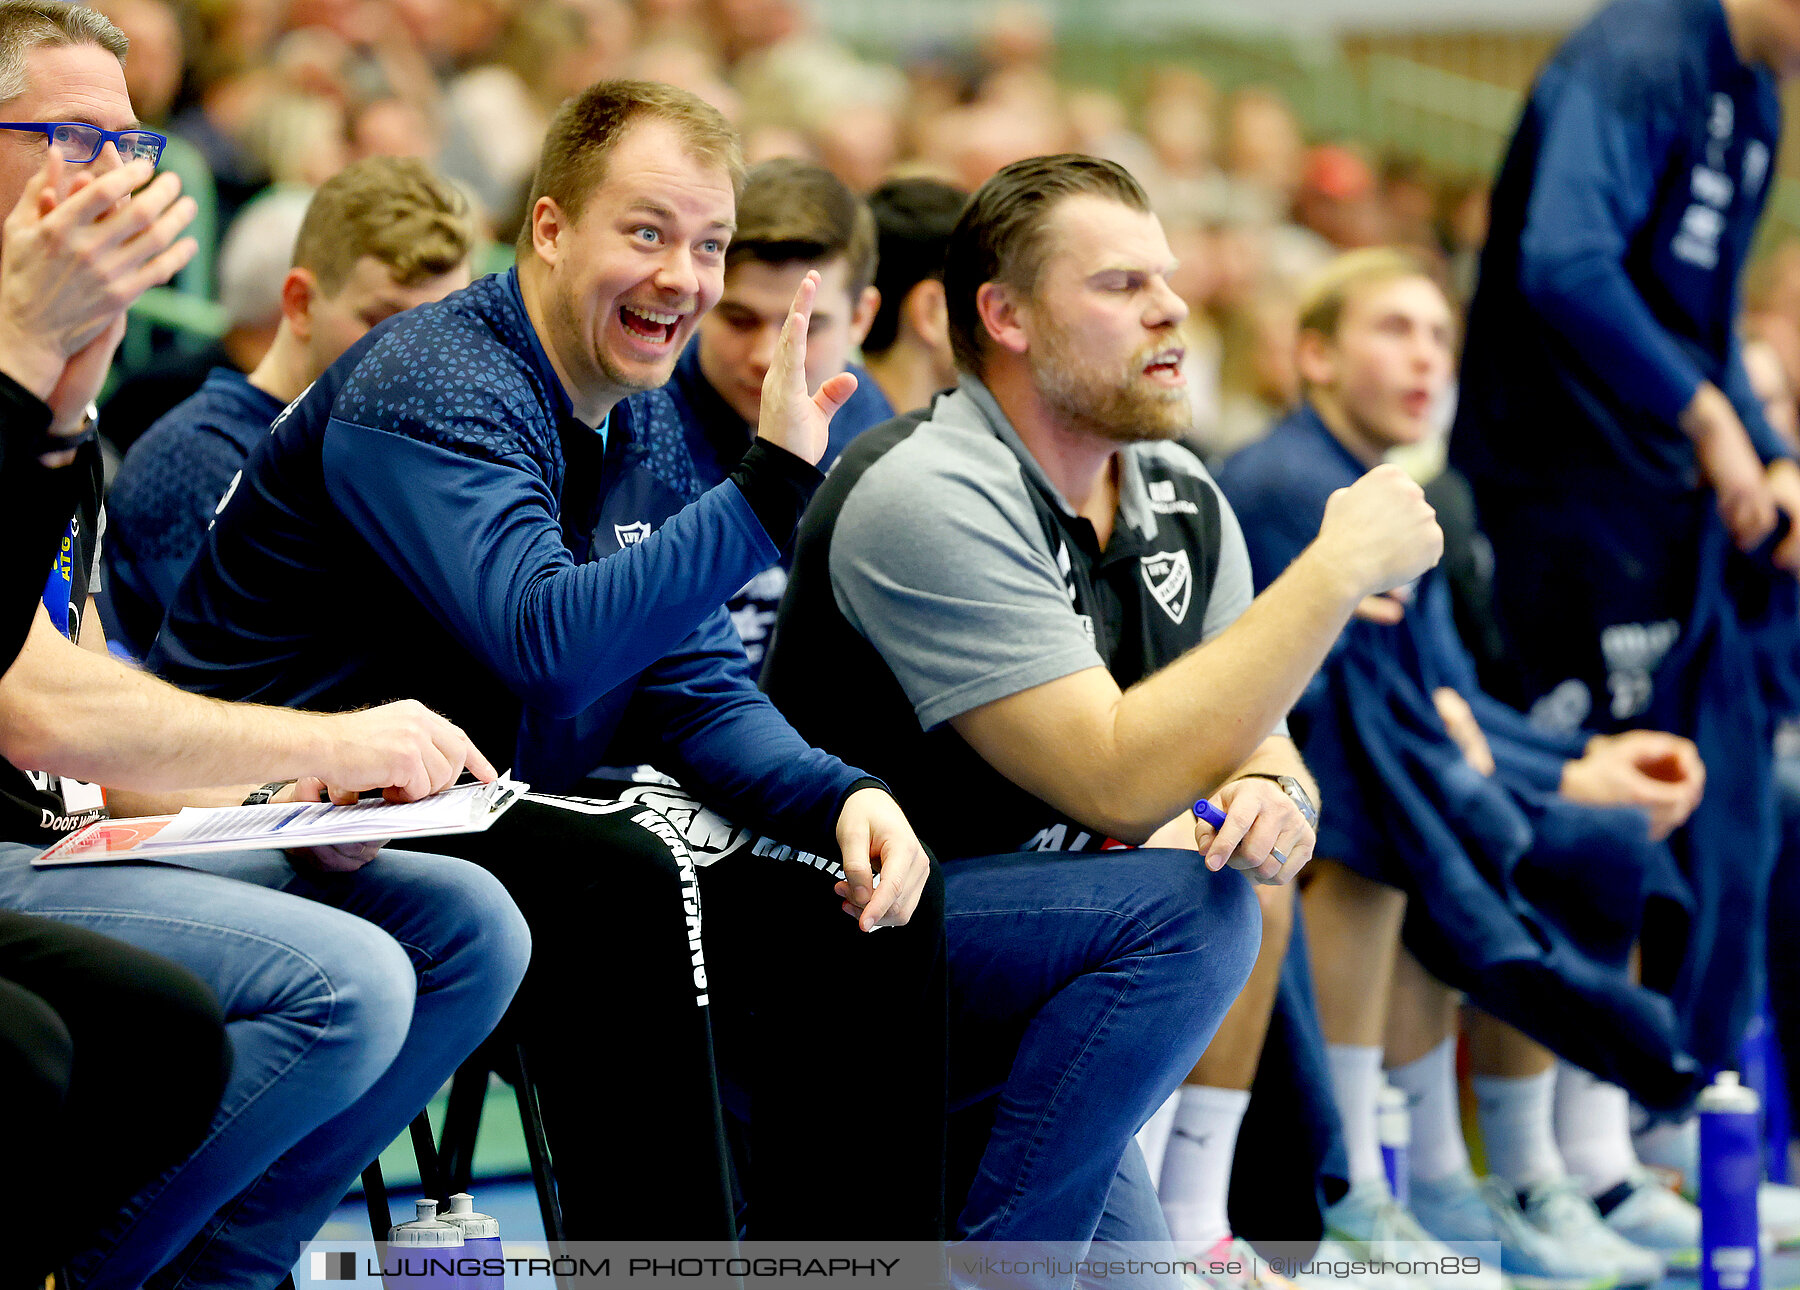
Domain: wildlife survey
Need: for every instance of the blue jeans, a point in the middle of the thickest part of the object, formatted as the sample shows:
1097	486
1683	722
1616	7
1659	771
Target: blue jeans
349	999
1083	988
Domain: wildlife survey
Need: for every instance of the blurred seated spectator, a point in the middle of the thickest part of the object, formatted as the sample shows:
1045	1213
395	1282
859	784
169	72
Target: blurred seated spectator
794	218
381	236
252	260
907	348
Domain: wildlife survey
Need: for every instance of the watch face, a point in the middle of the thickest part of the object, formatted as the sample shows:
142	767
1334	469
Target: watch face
1297	794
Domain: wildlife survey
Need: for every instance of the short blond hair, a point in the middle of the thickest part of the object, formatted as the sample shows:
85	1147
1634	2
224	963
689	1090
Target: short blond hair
589	126
395	209
1323	300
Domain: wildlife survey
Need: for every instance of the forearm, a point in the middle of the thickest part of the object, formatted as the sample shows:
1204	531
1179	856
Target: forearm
1210	713
79	713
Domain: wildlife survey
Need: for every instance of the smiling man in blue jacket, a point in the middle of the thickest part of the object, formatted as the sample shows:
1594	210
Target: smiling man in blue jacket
465	508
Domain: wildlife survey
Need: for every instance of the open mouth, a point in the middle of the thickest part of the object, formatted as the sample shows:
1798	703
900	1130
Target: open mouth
1165	367
652	326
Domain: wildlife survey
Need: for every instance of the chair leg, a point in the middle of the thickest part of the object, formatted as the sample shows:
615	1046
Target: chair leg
539	1150
462	1122
431	1175
375	1196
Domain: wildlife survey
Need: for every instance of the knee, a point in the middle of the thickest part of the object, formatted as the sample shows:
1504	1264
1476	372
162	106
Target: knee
359	1003
1212	919
485	942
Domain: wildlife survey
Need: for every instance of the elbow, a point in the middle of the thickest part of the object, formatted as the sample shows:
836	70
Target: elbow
1125	811
553	695
30	736
1555	288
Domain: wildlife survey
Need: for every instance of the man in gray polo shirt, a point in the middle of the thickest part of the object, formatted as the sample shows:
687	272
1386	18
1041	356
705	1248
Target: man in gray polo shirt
1037	613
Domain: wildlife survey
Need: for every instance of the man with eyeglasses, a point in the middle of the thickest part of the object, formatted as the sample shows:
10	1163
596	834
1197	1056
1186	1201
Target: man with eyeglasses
353	983
79	142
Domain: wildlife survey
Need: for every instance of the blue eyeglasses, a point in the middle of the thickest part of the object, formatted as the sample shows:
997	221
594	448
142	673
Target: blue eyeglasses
80	143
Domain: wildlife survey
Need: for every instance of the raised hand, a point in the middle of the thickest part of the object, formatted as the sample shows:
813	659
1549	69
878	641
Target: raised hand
72	264
791	417
1379	533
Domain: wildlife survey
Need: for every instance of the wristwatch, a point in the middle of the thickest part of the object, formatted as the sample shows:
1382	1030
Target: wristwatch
1295	791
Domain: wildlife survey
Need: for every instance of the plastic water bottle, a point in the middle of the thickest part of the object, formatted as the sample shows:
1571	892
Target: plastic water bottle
1393	1123
1730	1172
423	1254
481	1243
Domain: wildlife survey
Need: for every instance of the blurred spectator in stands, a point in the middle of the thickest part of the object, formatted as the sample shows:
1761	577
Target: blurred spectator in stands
153	74
907	348
1408	197
1258	382
1264	148
392	127
380	237
1337	198
859	144
1772	304
689	65
301	139
1180	115
496	111
1463	232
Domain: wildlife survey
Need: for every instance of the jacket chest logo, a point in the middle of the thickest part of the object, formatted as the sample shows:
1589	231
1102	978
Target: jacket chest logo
631	534
1170	579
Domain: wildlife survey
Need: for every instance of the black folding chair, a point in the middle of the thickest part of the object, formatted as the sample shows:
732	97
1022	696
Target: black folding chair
445	1167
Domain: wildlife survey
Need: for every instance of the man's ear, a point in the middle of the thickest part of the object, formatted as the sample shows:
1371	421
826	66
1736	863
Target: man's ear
299	289
927	314
549	225
1315	358
863	316
997	306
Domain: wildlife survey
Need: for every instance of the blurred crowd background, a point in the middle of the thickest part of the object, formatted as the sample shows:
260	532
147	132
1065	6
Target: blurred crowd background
1266	148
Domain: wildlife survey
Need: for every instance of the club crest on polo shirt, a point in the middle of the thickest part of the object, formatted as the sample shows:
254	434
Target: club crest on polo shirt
1171	580
631	534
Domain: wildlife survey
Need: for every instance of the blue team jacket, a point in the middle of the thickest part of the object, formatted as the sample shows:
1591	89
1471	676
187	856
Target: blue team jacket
1528	902
429	520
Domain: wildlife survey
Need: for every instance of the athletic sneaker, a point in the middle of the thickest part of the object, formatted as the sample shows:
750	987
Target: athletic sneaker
1559	1207
1462	1212
1777	1204
1379	1228
1226	1252
1778	1212
1645	1212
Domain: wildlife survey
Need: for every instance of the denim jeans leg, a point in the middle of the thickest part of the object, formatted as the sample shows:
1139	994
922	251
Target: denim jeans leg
316	1001
1083	988
1133	1223
468	945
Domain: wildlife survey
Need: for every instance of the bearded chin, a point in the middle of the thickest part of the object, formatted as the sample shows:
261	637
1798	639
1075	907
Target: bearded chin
1118	411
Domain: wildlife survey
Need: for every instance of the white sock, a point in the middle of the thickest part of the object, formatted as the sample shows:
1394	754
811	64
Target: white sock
1670	1145
1153	1138
1515	1119
1437	1149
1196	1169
1593	1129
1356	1083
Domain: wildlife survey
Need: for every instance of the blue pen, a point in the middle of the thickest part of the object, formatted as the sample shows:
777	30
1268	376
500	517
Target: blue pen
1205	810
